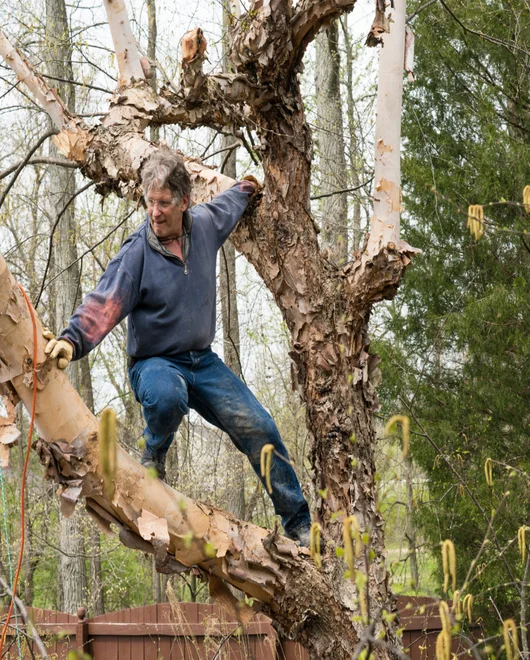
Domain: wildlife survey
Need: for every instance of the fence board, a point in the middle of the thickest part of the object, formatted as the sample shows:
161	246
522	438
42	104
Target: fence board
189	631
137	643
124	643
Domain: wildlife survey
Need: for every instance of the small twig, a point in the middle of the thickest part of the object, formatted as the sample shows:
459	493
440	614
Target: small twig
55	225
24	162
339	192
74	82
420	9
223	642
498	42
40	160
203	155
251	148
90	249
230	148
27	620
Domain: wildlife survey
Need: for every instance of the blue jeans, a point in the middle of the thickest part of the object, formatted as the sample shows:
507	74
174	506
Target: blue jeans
168	387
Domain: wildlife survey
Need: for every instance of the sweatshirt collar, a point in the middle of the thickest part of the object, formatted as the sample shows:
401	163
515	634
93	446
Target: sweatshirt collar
152	239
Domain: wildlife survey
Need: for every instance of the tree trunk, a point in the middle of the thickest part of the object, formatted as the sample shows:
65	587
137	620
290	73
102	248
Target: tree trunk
332	160
356	161
155	580
410	528
235	499
71	564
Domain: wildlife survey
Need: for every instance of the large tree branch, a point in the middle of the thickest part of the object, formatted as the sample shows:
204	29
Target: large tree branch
310	17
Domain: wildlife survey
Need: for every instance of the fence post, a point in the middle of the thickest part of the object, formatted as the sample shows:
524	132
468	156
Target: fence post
81	631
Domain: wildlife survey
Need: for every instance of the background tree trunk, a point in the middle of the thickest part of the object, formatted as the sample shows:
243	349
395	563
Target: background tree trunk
331	151
355	161
151	54
230	317
66	292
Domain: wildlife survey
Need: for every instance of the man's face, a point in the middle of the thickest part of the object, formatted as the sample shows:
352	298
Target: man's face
165	216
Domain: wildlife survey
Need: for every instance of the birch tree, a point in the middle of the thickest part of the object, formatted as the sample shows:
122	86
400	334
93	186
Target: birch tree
325	307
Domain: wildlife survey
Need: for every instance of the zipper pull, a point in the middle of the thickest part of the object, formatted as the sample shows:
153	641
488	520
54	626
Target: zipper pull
185	268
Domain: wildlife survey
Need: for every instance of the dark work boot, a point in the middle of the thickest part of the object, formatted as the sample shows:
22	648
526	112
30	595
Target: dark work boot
156	464
302	535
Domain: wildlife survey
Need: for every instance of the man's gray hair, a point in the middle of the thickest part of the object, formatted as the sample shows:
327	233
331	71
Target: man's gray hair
165	169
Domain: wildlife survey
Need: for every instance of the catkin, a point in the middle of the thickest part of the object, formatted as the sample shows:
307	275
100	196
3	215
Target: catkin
315	544
405	430
108	450
265	464
526	198
521	539
488	471
511	644
475	220
449	564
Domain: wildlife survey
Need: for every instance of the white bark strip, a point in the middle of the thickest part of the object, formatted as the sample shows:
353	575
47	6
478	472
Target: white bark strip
384	228
129	64
46	96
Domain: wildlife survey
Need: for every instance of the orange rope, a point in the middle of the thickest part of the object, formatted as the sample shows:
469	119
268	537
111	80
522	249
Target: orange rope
24	473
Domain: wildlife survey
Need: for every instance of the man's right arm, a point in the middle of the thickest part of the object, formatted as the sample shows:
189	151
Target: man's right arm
111	301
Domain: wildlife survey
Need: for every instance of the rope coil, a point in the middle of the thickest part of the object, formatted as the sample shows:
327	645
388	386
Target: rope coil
24	472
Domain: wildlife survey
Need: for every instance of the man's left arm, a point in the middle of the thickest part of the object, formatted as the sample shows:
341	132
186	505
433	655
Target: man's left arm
228	207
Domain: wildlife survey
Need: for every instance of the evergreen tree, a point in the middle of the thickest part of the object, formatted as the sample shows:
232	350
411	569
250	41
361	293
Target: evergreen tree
456	353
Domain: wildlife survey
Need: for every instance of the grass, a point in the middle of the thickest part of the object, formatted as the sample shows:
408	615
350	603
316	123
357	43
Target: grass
400	574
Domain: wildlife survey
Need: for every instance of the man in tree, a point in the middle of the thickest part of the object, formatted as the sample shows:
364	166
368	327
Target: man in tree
163	278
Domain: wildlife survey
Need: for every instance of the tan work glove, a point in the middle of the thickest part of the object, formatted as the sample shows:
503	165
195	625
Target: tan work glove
257	185
58	348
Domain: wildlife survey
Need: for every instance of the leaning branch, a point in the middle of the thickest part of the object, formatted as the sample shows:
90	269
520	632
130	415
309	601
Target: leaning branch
45	95
148	514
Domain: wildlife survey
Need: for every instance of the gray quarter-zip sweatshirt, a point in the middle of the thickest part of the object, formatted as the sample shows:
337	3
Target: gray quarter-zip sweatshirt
170	303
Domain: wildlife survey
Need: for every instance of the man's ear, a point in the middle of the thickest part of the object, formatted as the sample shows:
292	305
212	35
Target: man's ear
185	202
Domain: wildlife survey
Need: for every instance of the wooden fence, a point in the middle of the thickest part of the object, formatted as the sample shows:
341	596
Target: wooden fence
196	631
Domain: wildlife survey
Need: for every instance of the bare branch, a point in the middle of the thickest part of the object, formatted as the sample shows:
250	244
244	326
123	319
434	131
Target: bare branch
129	64
340	192
499	42
52	232
420	9
45	95
39	160
33	634
24	162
